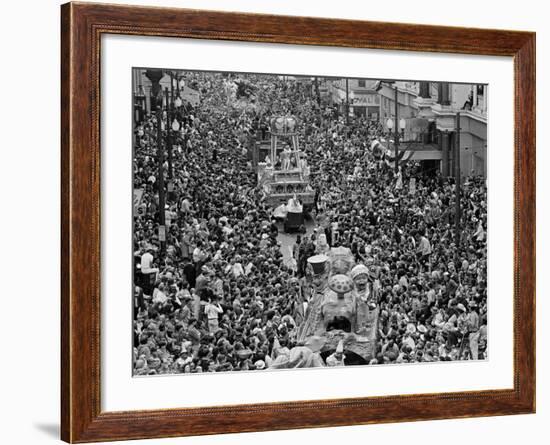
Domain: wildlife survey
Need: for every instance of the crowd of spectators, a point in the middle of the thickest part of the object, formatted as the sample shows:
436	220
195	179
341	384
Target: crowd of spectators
218	295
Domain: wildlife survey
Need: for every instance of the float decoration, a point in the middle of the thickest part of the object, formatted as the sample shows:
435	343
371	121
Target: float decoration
342	308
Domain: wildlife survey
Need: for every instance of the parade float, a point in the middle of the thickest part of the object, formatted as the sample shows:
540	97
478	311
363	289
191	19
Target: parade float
342	310
282	169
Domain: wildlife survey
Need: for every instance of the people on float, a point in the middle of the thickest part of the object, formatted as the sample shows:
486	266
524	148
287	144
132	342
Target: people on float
337	358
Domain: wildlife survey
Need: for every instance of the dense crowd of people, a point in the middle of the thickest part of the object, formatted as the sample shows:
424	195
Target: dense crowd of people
216	293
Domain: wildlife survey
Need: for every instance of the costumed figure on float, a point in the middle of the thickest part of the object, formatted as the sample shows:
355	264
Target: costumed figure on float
342	311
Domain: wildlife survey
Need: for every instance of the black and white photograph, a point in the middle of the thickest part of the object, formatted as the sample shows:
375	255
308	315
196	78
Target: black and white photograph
284	221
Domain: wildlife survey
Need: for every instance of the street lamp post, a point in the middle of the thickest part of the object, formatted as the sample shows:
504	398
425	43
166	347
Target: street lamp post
139	104
389	124
169	117
347	102
317	91
399	127
318	98
457	183
160	155
352	98
396	135
178	102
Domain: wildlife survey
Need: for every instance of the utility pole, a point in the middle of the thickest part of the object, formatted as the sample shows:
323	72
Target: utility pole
169	119
347	102
396	129
457	183
317	92
318	97
156	90
160	155
181	113
171	91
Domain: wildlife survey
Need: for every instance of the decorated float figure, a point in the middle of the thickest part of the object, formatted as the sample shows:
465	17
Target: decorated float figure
338	310
288	175
286	158
366	303
317	271
366	285
342	310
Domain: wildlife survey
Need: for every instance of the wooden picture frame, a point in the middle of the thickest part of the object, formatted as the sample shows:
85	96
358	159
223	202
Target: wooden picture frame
82	26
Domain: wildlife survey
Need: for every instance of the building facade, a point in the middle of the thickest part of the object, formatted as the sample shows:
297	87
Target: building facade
440	104
365	100
152	85
373	99
407	108
429	111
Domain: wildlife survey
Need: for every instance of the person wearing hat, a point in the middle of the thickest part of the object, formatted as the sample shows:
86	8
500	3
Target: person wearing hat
472	326
212	312
318	270
337	358
186	311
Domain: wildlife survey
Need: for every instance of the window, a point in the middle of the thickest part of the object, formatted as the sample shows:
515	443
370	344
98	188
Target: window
443	93
361	83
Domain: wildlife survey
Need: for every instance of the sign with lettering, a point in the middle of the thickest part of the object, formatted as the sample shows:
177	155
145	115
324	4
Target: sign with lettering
366	99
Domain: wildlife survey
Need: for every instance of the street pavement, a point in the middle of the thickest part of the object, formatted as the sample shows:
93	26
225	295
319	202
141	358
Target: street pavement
289	239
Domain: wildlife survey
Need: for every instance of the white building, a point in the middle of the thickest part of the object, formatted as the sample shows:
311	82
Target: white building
143	85
407	93
439	104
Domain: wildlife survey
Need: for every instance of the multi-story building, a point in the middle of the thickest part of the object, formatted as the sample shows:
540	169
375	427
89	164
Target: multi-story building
375	99
147	83
365	99
407	92
359	94
439	105
428	111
